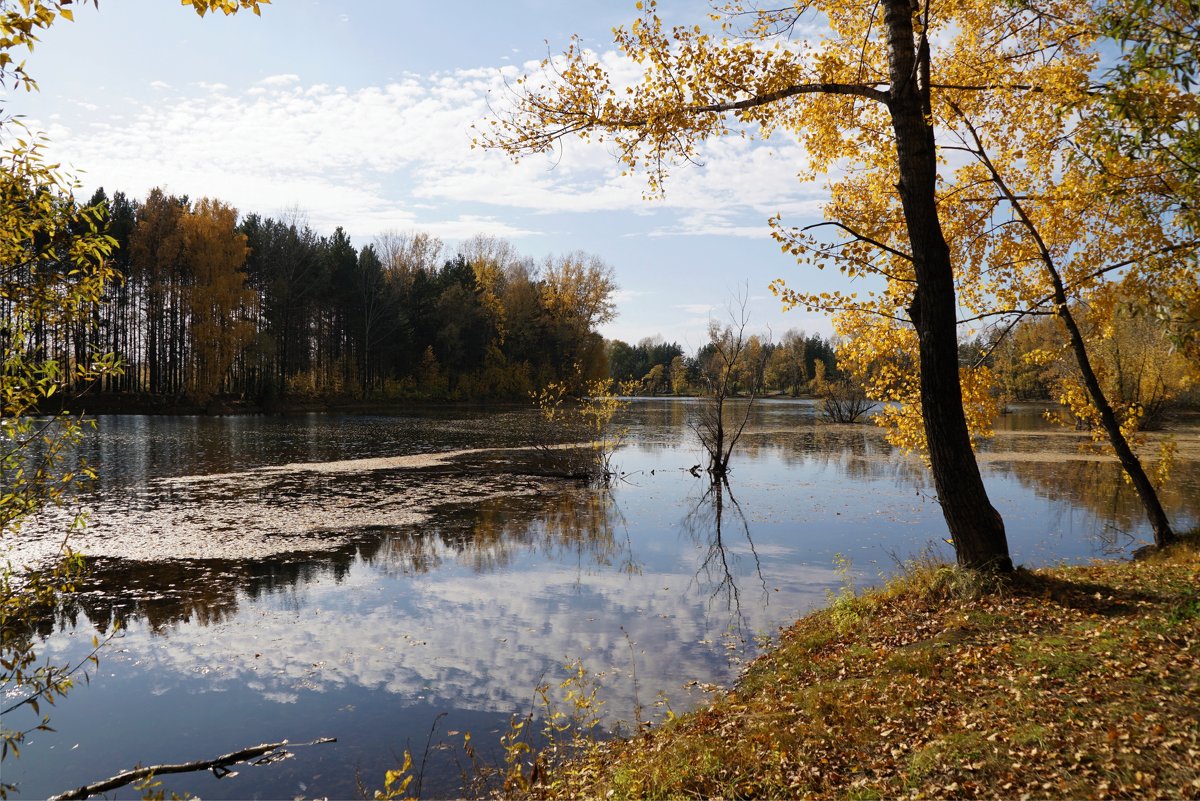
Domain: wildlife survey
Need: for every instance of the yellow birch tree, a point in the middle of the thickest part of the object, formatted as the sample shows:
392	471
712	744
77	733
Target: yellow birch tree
1039	219
219	302
963	186
860	96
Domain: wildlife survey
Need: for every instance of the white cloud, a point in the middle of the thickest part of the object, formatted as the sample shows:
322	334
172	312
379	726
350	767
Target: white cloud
467	225
359	156
623	296
285	79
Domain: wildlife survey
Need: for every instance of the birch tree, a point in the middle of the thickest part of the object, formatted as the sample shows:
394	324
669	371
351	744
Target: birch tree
863	95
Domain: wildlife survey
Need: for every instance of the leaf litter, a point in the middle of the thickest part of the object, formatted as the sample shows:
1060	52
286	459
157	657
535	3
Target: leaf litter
1072	682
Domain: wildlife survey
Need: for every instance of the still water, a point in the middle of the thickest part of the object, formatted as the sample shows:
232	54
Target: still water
380	580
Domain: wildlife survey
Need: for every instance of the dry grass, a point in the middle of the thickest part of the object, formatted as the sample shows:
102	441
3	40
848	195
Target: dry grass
1076	682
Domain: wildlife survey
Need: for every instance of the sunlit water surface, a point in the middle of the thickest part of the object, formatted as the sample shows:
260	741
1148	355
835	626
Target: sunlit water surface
321	576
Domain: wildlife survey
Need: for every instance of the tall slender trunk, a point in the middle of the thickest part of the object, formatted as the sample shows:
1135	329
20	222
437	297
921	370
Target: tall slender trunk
975	525
1163	535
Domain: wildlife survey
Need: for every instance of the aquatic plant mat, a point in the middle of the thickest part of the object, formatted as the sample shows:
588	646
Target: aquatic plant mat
1077	682
282	509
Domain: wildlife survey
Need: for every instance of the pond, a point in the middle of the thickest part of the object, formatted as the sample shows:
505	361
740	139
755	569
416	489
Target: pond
380	580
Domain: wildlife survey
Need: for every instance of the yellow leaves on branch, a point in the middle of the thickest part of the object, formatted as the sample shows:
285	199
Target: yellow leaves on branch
226	7
53	270
1021	187
666	114
881	354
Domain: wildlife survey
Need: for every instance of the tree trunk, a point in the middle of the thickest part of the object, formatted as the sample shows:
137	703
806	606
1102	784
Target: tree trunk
1163	535
975	526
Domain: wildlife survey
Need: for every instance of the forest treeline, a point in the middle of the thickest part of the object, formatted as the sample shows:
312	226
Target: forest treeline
797	365
209	305
1140	363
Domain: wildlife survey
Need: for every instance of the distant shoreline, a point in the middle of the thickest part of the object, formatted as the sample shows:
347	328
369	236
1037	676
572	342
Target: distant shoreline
129	403
158	405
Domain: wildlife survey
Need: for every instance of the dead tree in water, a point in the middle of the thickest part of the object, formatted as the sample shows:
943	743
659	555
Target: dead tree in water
718	425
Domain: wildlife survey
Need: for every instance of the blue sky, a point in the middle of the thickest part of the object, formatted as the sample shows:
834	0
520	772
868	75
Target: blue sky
359	115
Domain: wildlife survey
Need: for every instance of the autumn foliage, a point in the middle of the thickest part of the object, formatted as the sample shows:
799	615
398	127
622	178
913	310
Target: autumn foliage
1067	683
208	306
974	178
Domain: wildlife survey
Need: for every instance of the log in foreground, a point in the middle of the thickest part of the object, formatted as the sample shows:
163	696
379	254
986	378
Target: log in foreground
263	754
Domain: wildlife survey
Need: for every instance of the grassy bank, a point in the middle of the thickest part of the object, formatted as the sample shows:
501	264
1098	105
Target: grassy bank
1077	682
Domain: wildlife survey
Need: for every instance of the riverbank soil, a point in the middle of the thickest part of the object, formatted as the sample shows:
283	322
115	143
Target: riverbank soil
1073	682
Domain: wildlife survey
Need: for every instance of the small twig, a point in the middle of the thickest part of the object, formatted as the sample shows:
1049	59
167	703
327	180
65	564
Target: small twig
862	238
425	756
261	754
637	703
55	681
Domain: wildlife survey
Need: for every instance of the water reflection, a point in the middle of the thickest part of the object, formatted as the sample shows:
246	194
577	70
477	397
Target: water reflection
139	449
1099	487
121	592
707	524
338	591
462	615
572	523
844	451
568	524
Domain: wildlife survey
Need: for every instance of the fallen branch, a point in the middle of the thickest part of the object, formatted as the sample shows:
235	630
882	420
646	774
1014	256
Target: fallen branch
261	754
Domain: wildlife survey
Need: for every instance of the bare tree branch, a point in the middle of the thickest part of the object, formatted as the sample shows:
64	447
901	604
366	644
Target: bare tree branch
261	754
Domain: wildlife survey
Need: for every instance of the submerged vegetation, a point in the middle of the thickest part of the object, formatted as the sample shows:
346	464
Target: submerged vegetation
580	434
1075	682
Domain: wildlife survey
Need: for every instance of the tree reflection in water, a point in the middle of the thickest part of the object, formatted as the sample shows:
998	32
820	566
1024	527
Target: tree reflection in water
578	523
718	568
1096	484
